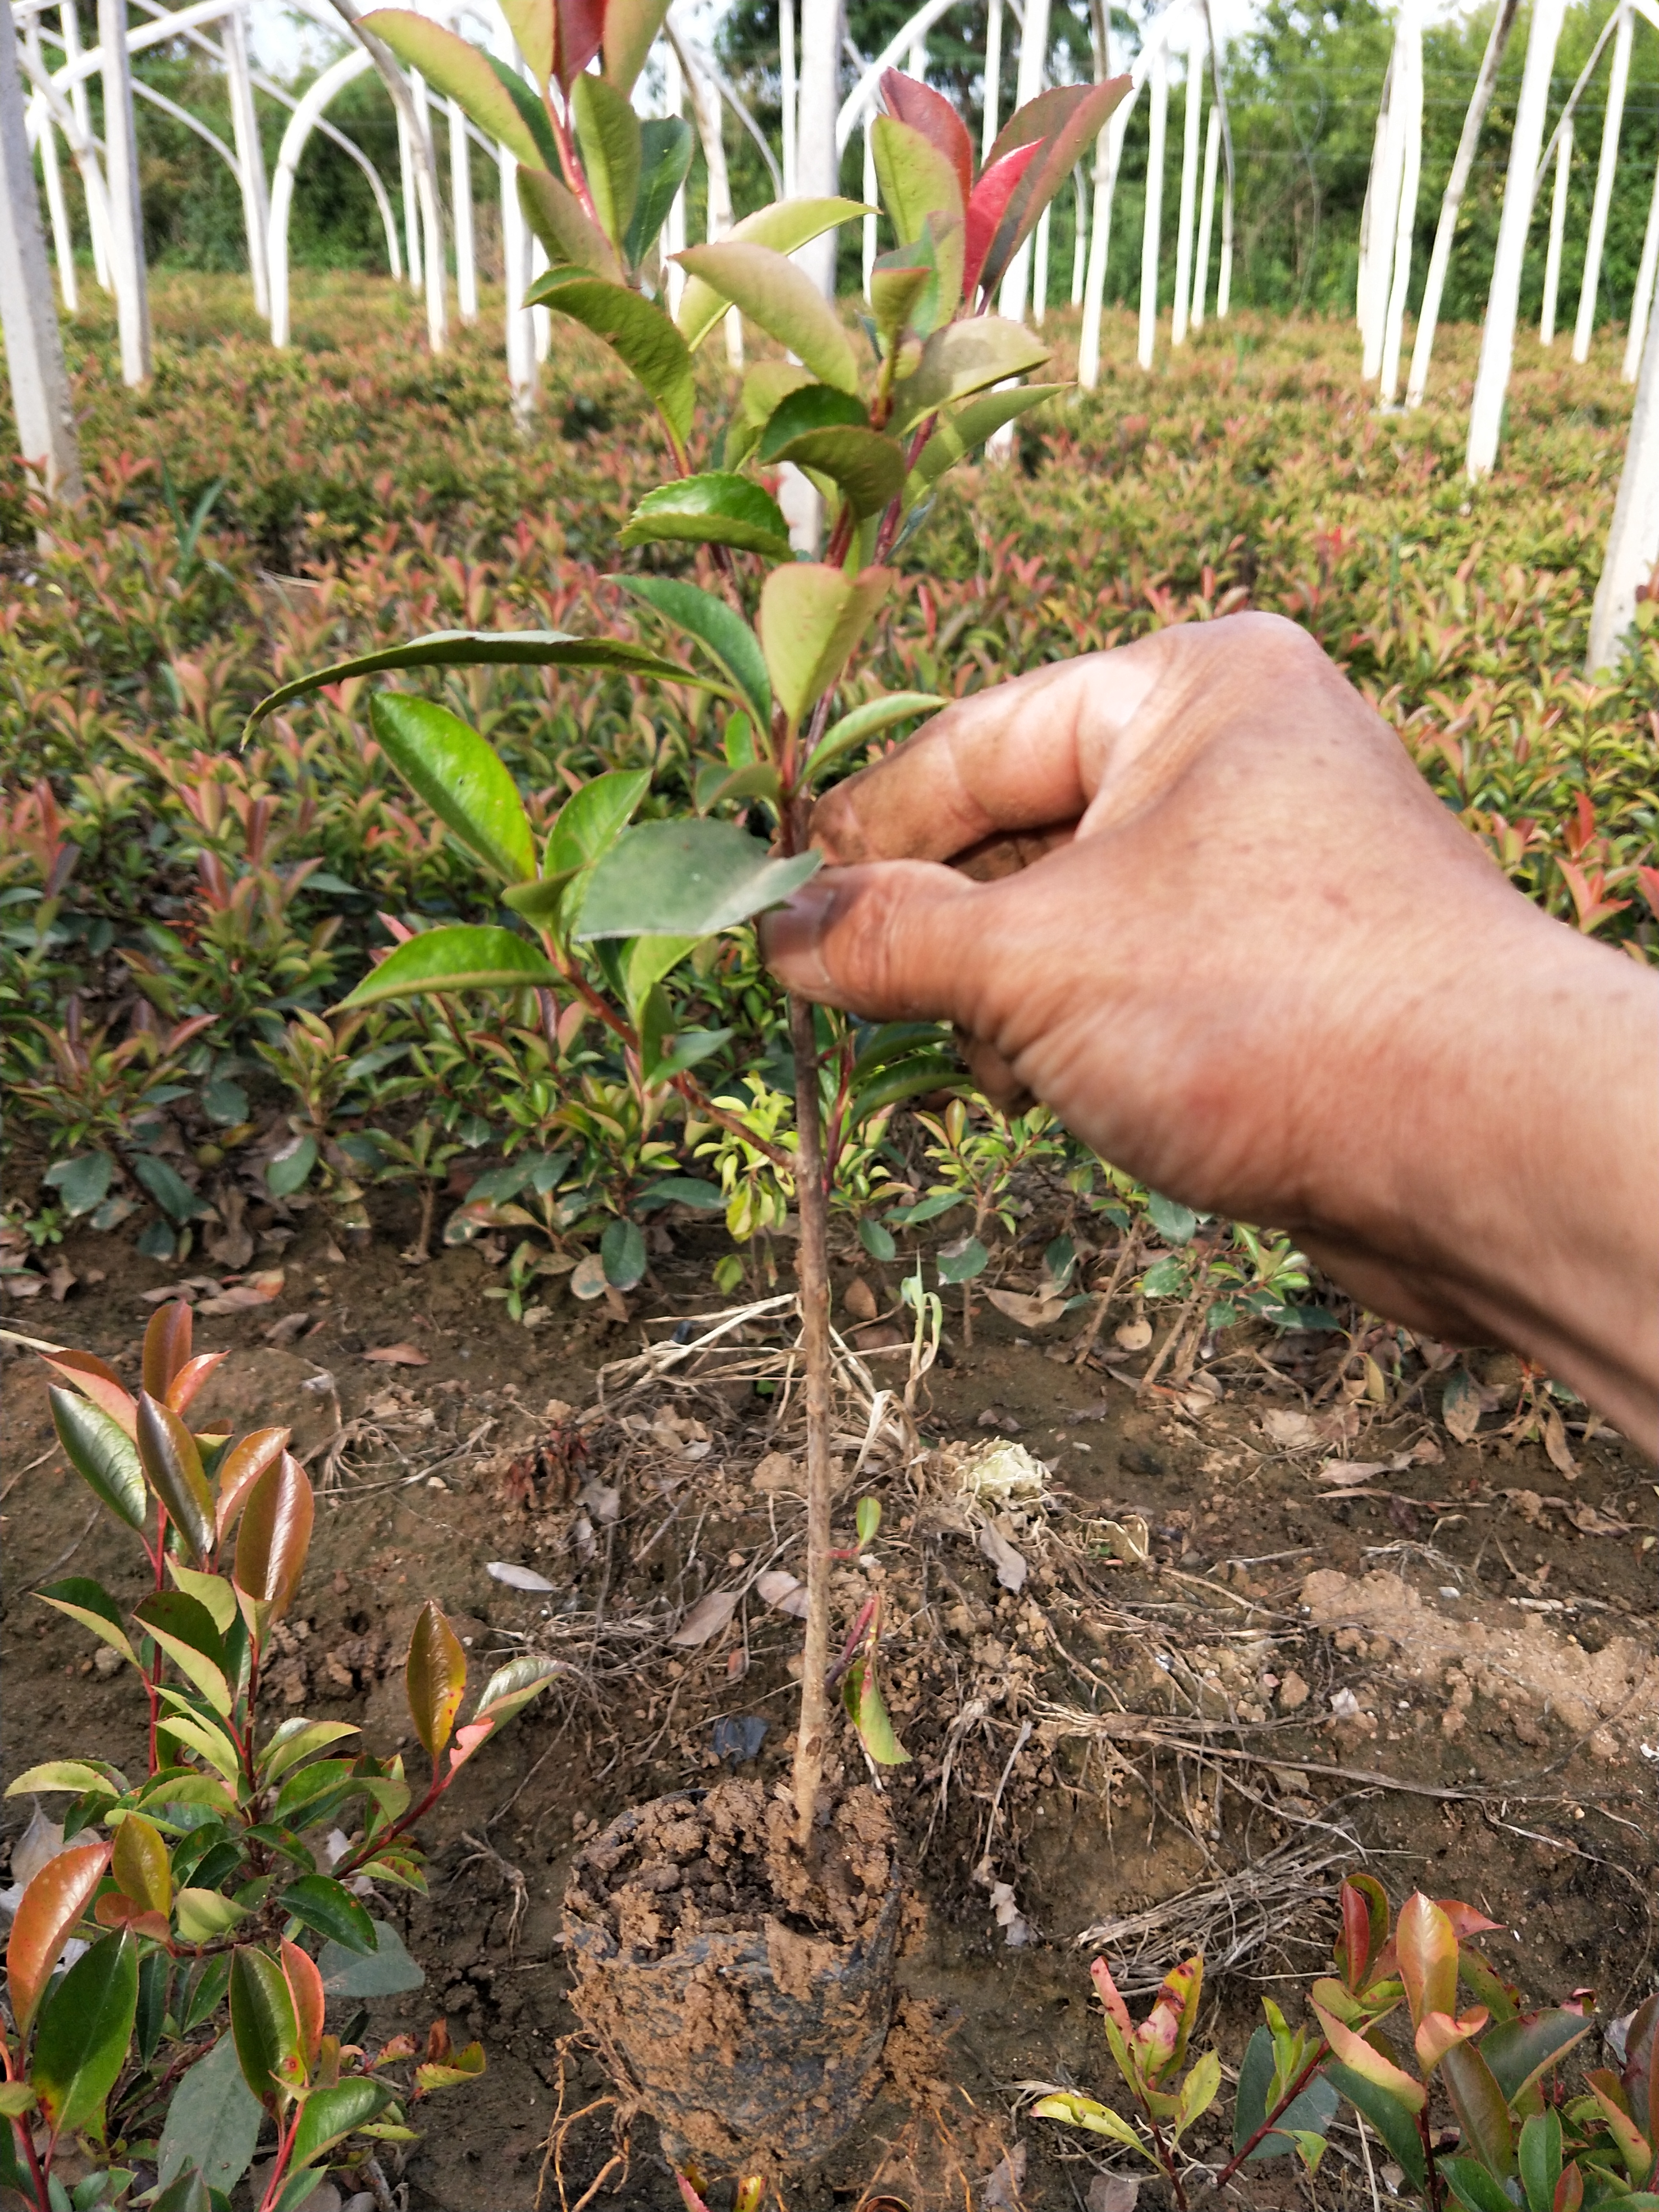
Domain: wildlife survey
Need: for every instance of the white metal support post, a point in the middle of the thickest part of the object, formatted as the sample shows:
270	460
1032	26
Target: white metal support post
789	92
989	124
1183	291
1152	236
817	158
1109	145
51	173
1605	169
28	318
1633	541
127	210
1043	246
81	108
1207	217
1383	209
250	155
460	213
1557	237
1491	380
674	238
1410	102
1079	233
1033	64
1641	305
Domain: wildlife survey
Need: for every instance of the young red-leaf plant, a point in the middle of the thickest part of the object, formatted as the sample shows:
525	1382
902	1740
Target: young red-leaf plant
219	1864
1150	2058
603	912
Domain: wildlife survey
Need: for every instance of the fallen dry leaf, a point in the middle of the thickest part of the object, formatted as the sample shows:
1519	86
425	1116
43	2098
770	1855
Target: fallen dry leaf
517	1577
783	1592
61	1280
1290	1431
711	1613
1555	1440
1459	1405
1000	2191
19	1283
1113	2192
1343	1472
286	1328
1588	1522
397	1355
1030	1312
1009	1564
587	1278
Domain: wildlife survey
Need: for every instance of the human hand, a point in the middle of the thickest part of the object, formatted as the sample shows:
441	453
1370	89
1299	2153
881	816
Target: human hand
1252	959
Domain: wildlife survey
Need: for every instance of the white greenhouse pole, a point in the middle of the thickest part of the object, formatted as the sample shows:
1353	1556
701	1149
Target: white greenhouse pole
1108	151
1206	218
301	124
1152	229
870	188
82	147
520	327
1365	287
1605	169
710	121
1411	106
1491	379
81	111
1558	234
1033	65
28	320
990	122
437	274
789	92
126	210
1641	305
1633	541
62	237
1183	291
1224	289
674	238
1079	233
414	261
460	213
1382	231
1428	314
250	155
1042	245
818	148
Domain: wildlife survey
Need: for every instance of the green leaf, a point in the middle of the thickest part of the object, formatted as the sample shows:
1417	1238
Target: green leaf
1086	2112
263	2024
684	1190
649	959
172	1467
327	1907
483	648
1518	2050
608	135
963	358
533	23
785	225
331	2114
531	113
1255	2076
867	1709
291	1170
387	1974
866	468
717	628
214	1592
922	193
1478	2102
1539	2157
631	26
1395	2125
782	301
897	281
808	407
167	1186
83	1182
959	434
665	148
962	1266
1310	2114
510	1688
1198	2092
868	1520
460	777
592	819
878	1241
812	618
462	958
457	71
62	1774
718	509
1473	2187
294	1741
686	879
81	2042
564	226
622	1251
102	1453
1174	1223
638	332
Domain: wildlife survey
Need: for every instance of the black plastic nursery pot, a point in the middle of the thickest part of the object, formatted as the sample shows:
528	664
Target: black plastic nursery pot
741	1997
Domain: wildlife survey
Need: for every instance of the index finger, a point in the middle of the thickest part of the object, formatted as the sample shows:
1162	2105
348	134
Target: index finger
1023	755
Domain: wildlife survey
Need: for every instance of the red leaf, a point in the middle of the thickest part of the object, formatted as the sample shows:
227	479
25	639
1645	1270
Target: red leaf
190	1378
166	1347
304	1986
276	1535
986	204
97	1382
46	1918
911	101
579	30
243	1465
1064	121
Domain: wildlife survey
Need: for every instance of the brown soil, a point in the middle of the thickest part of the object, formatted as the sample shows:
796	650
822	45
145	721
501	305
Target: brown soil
1442	1671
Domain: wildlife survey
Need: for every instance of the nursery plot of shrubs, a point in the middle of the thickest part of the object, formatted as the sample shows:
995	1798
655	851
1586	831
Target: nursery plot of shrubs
1145	1668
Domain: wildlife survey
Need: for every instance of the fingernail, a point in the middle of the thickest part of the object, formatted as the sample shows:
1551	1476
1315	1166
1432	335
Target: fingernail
789	934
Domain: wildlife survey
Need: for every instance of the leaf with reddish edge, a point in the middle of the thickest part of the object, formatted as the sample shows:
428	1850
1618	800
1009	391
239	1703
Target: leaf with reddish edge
44	1920
275	1535
1439	2032
263	2025
1483	2117
1162	2034
1427	1952
986	204
693	2202
1569	2191
1065	121
139	1862
468	1739
1364	1909
1465	1920
579	29
1369	2063
911	101
98	1382
305	1987
460	70
190	1378
102	1453
114	1911
434	1678
166	1345
1641	2069
532	25
1101	1974
242	1467
172	1467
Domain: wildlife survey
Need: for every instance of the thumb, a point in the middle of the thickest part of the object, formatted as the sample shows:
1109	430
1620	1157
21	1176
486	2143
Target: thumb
890	941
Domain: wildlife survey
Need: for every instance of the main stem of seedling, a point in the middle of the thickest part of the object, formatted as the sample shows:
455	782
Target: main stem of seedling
814	1278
